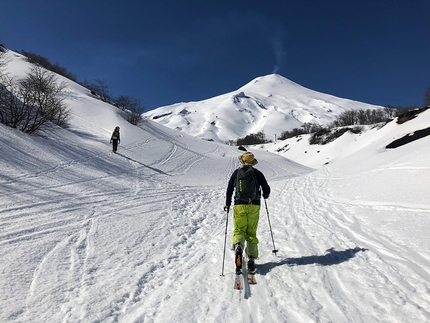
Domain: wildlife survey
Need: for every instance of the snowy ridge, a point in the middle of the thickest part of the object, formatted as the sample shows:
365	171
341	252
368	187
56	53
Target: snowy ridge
349	144
270	103
91	236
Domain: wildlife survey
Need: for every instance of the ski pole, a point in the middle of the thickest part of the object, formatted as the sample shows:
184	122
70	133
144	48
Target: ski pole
270	226
225	243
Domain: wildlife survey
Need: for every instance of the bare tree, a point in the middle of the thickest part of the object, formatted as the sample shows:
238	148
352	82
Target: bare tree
90	86
102	89
133	106
3	60
33	102
364	117
44	62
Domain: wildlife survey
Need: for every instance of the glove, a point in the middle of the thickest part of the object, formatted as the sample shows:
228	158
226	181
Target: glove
265	197
227	208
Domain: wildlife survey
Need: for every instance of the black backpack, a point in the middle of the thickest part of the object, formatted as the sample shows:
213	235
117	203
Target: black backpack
246	185
115	134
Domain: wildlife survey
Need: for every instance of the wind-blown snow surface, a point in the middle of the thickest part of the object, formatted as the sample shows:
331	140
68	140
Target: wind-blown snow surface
91	236
270	103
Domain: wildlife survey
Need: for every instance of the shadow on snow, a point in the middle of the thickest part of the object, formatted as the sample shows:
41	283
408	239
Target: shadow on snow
332	257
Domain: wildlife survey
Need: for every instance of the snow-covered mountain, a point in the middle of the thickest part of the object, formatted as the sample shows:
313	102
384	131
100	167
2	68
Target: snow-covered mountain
271	104
91	236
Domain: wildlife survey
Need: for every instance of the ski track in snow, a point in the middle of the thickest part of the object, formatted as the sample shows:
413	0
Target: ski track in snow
140	247
83	241
155	282
385	283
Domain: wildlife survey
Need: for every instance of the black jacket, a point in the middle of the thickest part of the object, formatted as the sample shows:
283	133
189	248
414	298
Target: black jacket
261	182
115	136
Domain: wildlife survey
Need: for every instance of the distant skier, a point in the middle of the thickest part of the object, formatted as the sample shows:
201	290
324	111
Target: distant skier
114	139
247	183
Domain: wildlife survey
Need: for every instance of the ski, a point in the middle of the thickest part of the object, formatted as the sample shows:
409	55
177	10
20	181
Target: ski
251	278
243	274
238	281
251	271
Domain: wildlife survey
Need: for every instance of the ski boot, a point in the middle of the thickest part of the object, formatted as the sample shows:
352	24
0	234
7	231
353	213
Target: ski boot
238	258
251	271
251	265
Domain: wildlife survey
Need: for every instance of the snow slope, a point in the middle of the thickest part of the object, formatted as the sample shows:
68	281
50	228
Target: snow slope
375	137
270	103
91	236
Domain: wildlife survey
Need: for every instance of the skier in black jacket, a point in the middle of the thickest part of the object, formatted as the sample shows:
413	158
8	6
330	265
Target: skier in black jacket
246	212
114	139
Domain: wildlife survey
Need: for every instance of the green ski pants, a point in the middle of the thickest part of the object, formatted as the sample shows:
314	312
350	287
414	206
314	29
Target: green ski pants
245	221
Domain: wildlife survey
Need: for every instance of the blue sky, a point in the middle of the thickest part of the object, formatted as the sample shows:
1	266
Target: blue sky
170	51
